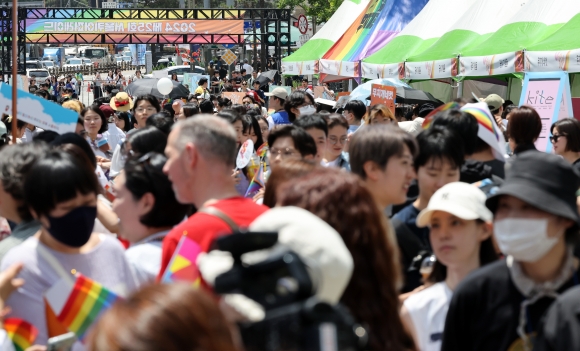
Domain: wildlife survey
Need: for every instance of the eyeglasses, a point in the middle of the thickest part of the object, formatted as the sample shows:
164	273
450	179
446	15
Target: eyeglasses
554	138
148	109
333	140
264	130
283	153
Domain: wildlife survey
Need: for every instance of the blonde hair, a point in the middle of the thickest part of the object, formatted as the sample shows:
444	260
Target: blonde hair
380	109
74	105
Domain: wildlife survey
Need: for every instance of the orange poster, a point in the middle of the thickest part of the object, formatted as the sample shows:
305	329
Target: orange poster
236	97
383	94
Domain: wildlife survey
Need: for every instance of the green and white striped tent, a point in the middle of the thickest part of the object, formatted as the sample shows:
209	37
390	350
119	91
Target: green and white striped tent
305	59
474	27
421	33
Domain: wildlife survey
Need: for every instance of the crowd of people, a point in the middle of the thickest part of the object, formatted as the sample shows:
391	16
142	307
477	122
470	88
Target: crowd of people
450	243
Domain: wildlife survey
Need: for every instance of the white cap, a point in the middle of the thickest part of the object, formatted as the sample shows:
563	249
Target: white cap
321	248
462	200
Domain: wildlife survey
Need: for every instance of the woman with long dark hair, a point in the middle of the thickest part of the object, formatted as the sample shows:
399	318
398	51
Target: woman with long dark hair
460	235
372	294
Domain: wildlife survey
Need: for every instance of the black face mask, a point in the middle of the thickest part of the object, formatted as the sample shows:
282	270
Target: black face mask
74	228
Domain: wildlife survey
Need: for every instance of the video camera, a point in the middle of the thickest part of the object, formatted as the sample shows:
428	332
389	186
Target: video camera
294	318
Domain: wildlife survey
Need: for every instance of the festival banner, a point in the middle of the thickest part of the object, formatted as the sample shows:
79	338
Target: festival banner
339	68
38	111
132	26
376	71
549	94
553	61
384	94
446	68
480	66
300	68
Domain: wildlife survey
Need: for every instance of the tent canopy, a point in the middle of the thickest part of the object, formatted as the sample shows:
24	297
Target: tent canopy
534	22
422	32
477	24
371	31
323	40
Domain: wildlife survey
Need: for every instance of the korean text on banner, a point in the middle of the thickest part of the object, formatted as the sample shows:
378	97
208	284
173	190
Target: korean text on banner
38	111
549	94
383	94
111	26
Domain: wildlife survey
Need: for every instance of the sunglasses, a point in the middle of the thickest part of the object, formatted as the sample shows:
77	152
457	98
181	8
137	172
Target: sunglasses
554	138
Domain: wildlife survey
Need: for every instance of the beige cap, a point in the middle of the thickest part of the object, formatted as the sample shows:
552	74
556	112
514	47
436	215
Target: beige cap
280	93
494	101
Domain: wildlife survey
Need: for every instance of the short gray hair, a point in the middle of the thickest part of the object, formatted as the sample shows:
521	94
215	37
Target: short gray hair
214	137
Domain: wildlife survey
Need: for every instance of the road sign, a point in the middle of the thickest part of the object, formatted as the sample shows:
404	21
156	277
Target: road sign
302	24
109	4
229	57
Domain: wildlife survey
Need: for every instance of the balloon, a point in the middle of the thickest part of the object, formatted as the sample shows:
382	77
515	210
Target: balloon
164	86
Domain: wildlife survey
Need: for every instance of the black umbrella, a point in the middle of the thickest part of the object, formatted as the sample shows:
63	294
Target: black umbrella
265	77
149	86
414	96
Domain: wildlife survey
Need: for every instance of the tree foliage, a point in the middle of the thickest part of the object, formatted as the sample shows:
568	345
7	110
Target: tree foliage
322	9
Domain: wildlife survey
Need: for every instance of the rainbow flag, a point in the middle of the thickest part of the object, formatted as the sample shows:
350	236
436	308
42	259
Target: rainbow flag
429	118
79	304
20	332
488	130
257	183
182	266
483	116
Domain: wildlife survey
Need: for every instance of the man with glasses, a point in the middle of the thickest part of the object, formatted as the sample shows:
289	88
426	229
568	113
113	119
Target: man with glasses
290	143
336	141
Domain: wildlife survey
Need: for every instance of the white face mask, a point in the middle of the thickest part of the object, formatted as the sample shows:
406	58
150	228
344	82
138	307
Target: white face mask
306	110
525	239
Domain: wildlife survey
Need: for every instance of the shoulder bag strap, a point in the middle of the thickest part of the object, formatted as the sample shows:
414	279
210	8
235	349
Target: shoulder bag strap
212	211
51	260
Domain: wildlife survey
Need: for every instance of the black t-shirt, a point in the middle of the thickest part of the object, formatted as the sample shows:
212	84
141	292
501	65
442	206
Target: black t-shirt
485	310
411	241
32	88
497	168
223	72
215	88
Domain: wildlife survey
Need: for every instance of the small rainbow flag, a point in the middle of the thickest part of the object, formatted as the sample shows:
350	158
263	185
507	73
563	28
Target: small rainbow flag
262	150
483	116
79	304
257	183
429	118
182	266
20	332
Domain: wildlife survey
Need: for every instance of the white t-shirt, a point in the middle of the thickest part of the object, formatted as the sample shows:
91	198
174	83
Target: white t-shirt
145	258
105	264
331	163
428	309
30	134
249	69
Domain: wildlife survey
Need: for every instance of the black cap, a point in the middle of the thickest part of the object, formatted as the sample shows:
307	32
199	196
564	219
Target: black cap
544	181
425	109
